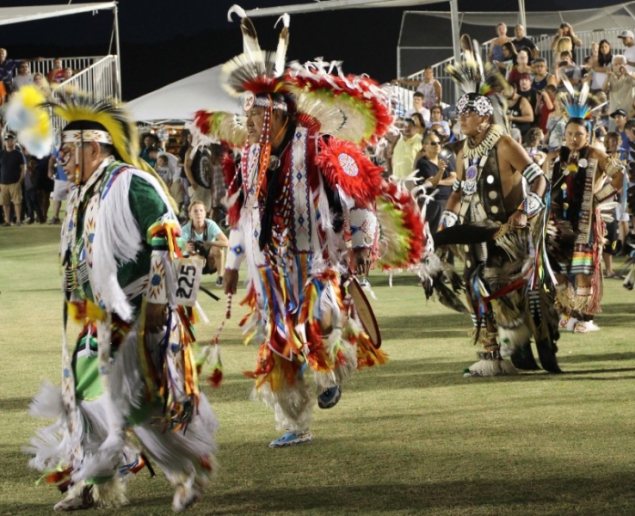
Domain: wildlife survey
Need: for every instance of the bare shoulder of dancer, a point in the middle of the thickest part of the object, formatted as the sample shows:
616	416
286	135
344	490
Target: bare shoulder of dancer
512	159
603	161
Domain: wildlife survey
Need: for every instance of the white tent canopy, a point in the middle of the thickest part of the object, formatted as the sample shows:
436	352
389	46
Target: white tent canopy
10	15
181	99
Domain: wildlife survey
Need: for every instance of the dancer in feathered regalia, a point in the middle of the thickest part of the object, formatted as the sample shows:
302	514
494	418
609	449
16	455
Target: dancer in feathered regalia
492	216
584	183
130	379
300	203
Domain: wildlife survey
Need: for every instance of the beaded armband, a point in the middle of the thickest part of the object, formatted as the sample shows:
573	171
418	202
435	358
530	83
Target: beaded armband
448	219
606	193
532	172
532	205
363	223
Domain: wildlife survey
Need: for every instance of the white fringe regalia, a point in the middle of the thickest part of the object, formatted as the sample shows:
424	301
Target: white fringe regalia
91	439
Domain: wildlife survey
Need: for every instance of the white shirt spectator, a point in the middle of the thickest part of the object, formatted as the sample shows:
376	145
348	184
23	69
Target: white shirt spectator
22	80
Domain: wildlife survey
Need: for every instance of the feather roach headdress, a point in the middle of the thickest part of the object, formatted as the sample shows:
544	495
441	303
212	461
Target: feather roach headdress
351	108
482	84
579	105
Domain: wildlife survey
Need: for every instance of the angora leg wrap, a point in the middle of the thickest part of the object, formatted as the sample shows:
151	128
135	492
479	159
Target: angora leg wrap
293	405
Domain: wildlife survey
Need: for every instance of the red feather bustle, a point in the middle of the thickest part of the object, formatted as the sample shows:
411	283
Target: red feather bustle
346	167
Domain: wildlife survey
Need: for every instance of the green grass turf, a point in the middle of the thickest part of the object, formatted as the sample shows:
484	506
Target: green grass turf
412	437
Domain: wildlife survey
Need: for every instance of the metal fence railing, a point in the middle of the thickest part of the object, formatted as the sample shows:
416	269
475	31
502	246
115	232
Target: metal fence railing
543	42
45	65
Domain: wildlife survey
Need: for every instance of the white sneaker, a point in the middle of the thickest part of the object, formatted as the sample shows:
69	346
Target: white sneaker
591	326
567	323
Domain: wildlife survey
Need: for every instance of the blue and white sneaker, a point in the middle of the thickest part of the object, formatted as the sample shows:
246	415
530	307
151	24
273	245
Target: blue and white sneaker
329	397
291	438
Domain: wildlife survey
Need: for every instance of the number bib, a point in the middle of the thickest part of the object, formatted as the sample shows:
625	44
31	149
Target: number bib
188	273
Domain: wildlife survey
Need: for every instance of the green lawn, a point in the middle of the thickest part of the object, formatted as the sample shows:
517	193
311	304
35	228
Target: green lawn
412	437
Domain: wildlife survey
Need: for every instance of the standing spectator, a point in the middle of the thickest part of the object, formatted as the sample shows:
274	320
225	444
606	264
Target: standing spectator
619	87
619	118
33	210
150	141
495	51
519	112
612	144
547	105
566	31
520	68
601	66
7	66
40	82
522	41
629	52
509	59
436	173
430	88
219	190
406	150
418	107
44	187
12	172
61	187
56	75
24	76
567	68
534	145
202	236
436	119
595	50
162	168
186	148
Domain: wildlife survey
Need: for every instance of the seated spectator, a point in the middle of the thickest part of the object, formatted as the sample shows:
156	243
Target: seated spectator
594	51
495	51
519	111
525	90
436	120
418	107
618	86
556	123
438	176
202	237
406	149
12	172
522	41
541	75
520	68
68	74
534	145
24	76
565	31
601	66
56	75
509	59
152	154
149	141
567	68
40	82
7	67
162	168
430	88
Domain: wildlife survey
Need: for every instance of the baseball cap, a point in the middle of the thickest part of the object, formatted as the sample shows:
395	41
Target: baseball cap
9	136
618	112
626	34
525	76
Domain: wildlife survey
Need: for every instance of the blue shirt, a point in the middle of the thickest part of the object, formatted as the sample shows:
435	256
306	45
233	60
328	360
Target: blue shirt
212	231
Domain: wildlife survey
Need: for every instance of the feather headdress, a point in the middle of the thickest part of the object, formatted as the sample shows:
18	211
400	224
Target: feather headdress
482	84
579	105
317	93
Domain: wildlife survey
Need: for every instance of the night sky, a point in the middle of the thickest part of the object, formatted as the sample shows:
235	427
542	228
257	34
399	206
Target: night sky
165	40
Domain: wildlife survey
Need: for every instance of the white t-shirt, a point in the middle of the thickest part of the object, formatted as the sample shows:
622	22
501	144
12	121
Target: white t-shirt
424	112
629	54
22	80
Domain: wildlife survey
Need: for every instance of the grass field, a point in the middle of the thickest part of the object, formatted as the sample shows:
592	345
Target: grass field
412	437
